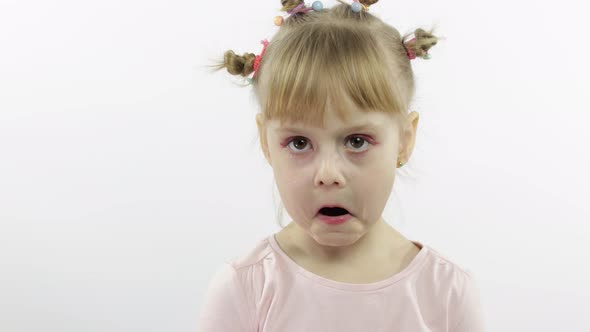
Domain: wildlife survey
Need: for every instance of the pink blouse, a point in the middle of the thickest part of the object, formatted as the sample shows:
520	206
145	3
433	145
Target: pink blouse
266	291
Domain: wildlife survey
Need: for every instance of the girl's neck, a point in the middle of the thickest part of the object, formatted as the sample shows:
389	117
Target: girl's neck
382	243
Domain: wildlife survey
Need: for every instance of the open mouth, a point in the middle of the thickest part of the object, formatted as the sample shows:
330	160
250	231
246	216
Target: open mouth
333	212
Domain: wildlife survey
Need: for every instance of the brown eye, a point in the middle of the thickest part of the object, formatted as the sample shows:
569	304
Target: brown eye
299	143
358	142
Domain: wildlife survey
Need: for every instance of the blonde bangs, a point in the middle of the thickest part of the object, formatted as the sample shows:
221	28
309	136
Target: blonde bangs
328	63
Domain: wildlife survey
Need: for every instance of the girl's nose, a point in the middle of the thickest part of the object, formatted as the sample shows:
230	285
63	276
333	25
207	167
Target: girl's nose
329	172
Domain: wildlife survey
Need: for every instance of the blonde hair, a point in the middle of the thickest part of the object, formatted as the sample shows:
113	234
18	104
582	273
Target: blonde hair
332	55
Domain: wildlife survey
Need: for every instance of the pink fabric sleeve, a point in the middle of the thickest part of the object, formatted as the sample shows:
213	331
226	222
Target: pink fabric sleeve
471	319
225	307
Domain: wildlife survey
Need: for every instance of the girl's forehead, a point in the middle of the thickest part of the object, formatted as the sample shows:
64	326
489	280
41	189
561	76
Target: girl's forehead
318	120
340	112
374	120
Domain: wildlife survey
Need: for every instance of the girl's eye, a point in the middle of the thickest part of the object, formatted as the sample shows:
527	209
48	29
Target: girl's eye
299	143
358	142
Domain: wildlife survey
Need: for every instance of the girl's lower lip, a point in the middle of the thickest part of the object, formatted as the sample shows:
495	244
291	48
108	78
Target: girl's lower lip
334	220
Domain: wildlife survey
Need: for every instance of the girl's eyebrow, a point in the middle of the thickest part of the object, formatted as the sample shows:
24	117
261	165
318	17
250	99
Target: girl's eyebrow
364	126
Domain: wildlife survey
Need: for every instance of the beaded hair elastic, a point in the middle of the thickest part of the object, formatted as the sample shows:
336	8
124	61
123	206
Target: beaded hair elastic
356	6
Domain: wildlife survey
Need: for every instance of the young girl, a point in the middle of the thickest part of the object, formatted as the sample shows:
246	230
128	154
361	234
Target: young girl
334	86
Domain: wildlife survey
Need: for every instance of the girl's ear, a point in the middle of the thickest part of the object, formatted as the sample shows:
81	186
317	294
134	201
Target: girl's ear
409	135
262	134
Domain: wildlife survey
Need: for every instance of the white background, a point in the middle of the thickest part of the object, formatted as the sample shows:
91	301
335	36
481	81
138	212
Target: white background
129	173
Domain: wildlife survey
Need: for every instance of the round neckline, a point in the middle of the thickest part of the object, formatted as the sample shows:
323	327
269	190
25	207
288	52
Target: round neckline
418	261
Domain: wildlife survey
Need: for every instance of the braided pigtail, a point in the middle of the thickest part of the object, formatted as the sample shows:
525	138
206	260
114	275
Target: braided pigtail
419	42
242	65
237	64
246	64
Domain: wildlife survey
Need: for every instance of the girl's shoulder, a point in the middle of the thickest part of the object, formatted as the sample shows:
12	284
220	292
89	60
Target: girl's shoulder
437	265
253	256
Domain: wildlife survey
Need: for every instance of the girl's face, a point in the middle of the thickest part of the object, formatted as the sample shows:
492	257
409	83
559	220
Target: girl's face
350	164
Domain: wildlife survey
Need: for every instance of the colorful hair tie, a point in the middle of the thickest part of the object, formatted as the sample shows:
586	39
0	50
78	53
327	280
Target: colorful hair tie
356	6
257	60
410	39
299	9
316	6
